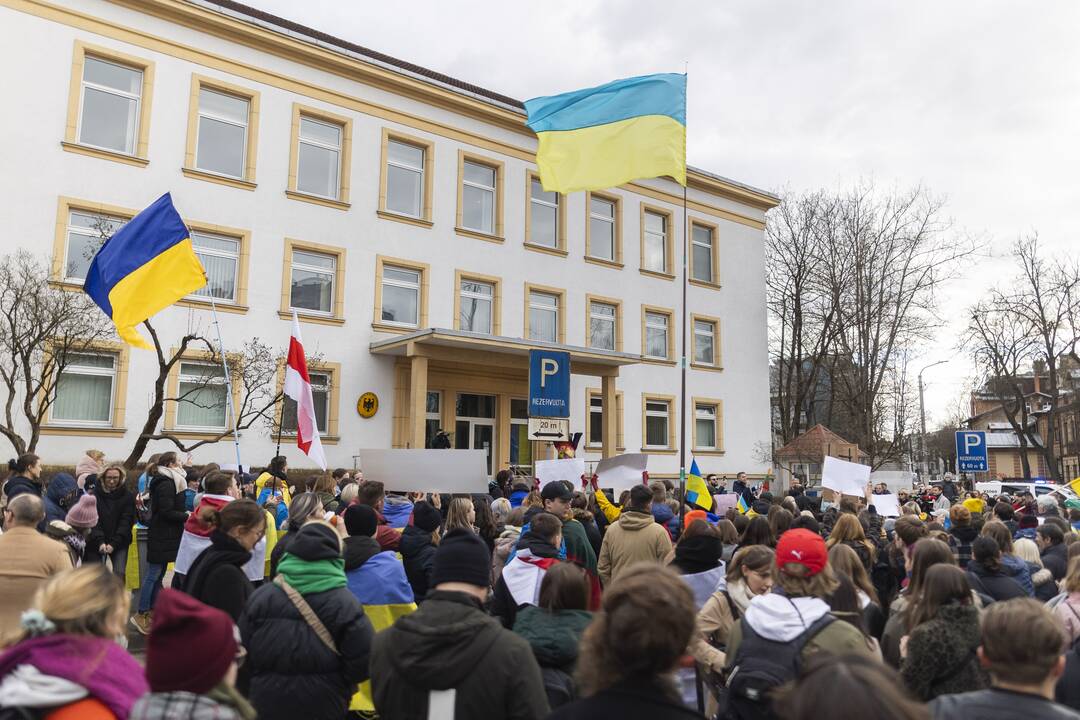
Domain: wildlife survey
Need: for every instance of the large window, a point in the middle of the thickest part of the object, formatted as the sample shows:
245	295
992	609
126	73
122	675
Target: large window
319	153
603	320
705	342
222	133
400	296
220	257
657	335
706	436
602	229
594	435
703	254
478	197
476	306
86	233
543	215
655	242
110	106
657	423
543	316
84	390
320	394
201	391
313	278
405	182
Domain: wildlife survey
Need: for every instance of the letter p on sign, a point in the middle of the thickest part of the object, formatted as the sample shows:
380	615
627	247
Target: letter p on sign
548	366
971	441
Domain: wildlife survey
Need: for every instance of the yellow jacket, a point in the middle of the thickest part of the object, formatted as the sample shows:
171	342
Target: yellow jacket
611	512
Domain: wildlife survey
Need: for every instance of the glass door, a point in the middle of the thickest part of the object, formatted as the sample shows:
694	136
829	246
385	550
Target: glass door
474	427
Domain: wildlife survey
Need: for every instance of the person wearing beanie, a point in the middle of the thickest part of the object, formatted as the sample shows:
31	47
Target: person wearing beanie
75	527
60	496
192	657
417	546
452	659
1027	527
377	579
307	637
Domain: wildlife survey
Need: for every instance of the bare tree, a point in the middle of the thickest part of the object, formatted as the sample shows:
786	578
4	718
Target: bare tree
42	330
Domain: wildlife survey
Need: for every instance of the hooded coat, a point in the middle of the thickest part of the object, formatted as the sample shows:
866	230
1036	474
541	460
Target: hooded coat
941	656
1056	559
17	485
636	537
291	673
995	584
61	494
450	642
418	554
503	605
217	576
116	516
554	636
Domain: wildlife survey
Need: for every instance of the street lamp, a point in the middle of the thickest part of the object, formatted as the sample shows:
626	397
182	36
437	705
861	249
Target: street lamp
923	465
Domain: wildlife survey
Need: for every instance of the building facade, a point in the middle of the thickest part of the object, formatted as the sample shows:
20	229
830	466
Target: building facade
399	212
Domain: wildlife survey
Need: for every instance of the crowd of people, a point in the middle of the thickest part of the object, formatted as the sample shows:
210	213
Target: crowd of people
280	595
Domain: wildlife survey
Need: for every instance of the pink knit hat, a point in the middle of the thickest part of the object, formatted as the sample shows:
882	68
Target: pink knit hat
83	514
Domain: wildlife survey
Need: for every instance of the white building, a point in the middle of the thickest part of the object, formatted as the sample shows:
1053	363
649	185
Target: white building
398	210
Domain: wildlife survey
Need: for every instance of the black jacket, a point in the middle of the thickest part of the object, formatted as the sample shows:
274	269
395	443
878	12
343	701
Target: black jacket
358	550
289	672
627	701
1067	691
217	576
418	556
697	554
998	704
166	520
17	485
996	585
116	515
592	531
1056	559
503	605
450	642
281	547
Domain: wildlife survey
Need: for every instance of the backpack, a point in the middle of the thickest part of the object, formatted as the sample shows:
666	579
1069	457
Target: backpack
760	667
143	512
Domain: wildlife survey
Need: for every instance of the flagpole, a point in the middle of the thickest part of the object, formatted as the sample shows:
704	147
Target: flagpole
228	383
682	323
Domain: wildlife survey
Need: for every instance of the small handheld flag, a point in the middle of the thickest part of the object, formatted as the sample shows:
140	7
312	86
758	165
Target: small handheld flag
697	492
144	268
605	136
298	387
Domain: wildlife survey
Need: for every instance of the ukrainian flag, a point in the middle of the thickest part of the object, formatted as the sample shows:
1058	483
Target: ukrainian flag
741	505
145	267
697	492
605	136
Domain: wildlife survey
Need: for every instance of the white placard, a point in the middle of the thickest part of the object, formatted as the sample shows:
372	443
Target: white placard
621	472
569	469
886	505
443	471
845	477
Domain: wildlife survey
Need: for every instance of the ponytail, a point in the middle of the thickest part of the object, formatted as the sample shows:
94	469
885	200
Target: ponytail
23	463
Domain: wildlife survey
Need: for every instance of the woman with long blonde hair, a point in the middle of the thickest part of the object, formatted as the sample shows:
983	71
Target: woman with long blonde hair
460	514
849	531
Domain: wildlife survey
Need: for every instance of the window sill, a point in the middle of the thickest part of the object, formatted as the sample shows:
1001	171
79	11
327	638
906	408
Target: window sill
704	284
710	368
200	434
407	219
657	361
479	235
606	263
105	154
656	274
659	451
221	306
66	285
557	252
316	200
385	327
83	430
714	452
598	448
324	439
316	319
195	174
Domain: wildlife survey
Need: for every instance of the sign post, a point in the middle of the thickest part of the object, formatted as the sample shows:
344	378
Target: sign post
971	453
549	395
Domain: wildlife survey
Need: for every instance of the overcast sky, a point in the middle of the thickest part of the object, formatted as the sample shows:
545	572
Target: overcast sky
975	100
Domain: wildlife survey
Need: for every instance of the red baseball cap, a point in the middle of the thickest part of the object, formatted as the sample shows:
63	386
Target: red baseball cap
802	547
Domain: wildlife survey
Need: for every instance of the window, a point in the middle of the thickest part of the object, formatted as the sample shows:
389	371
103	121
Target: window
111	98
602	229
476	306
86	233
222	133
432	417
703	253
201	394
313	278
319	157
655	242
84	390
657	335
400	296
520	444
320	394
404	178
220	257
708	431
657	423
705	341
544	216
478	198
543	317
594	436
603	323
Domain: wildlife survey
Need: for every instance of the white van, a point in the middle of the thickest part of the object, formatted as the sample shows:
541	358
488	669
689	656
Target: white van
997	487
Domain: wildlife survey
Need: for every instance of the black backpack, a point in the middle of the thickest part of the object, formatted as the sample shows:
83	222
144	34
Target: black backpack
760	667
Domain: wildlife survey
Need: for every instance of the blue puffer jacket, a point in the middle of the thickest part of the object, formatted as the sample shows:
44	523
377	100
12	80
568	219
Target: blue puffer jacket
1018	570
664	515
62	493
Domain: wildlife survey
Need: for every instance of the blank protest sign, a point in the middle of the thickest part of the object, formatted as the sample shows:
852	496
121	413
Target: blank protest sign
844	477
441	471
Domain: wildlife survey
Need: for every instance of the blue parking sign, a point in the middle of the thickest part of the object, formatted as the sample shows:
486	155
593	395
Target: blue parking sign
971	451
549	383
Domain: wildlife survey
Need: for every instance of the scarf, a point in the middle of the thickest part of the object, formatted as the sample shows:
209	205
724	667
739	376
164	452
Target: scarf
100	665
312	576
230	697
740	594
179	477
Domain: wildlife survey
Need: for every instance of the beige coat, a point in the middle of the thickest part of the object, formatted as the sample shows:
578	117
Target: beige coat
635	538
27	558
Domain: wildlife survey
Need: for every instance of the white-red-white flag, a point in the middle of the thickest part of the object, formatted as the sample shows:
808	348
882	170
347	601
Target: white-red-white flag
298	387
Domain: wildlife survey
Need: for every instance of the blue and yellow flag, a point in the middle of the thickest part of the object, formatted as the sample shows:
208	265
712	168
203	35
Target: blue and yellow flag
144	268
605	136
697	492
741	505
